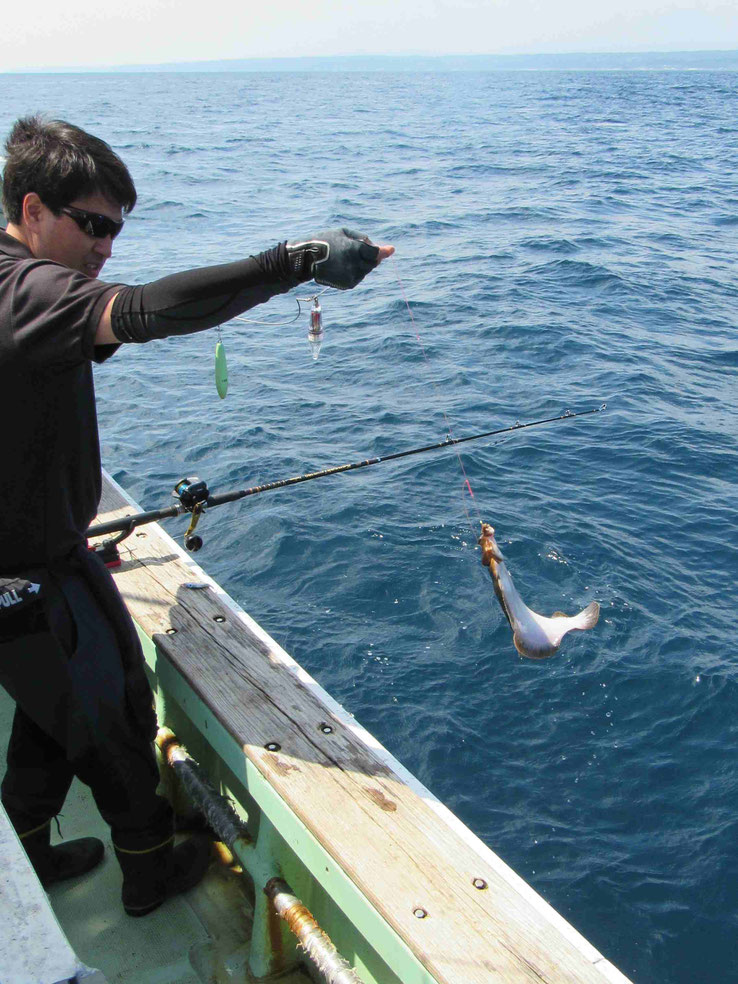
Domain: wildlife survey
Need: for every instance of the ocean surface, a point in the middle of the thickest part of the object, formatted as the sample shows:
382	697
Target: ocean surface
565	239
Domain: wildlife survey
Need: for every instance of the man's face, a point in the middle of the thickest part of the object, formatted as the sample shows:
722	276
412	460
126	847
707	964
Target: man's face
59	237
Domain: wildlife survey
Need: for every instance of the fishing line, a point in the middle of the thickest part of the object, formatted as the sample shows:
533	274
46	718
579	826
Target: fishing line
449	431
282	324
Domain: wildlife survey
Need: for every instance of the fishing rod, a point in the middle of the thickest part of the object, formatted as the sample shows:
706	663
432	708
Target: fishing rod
194	496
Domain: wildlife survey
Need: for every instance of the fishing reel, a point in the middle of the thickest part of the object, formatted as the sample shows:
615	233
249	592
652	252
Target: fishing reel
193	495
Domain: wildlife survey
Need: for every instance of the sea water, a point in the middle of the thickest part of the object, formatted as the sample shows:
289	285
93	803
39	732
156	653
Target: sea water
564	239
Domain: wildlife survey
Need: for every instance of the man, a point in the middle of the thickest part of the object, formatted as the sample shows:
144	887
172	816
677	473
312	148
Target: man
69	654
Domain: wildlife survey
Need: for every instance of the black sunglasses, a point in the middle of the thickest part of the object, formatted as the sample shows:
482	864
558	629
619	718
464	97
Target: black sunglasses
93	223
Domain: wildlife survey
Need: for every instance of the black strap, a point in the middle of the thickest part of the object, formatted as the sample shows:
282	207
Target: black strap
18	594
21	609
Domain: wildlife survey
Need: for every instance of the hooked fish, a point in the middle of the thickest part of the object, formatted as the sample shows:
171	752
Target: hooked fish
534	635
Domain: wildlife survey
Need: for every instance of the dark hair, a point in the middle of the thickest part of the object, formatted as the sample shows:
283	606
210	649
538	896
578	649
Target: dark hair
60	162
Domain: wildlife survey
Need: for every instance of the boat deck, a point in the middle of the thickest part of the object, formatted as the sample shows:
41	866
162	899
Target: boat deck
406	892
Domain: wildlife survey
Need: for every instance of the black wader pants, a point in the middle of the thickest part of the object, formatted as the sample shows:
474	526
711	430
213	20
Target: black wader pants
83	708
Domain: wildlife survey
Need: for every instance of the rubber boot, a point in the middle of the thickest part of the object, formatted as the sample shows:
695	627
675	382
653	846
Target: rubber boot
152	876
62	861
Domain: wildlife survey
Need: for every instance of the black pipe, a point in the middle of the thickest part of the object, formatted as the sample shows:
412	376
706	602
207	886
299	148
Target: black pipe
216	809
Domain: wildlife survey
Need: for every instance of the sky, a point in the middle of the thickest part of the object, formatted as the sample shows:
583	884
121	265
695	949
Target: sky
74	33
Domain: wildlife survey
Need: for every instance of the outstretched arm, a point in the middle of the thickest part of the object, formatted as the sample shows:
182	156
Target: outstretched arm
199	299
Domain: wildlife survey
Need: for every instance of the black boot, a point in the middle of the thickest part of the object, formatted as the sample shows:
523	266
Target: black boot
55	864
151	876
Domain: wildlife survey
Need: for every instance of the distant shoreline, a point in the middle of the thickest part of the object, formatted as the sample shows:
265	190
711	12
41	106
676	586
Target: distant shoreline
622	61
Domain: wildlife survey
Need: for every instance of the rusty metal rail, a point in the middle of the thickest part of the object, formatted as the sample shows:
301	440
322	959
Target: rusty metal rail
313	940
228	826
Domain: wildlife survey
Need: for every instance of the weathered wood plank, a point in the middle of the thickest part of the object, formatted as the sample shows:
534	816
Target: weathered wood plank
385	833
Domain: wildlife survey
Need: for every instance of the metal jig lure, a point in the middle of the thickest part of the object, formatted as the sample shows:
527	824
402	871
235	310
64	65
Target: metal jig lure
316	334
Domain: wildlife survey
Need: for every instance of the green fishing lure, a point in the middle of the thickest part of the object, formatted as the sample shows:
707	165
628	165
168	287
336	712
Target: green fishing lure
221	370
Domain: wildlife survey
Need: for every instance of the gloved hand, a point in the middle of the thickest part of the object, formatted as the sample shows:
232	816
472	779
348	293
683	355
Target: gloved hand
336	258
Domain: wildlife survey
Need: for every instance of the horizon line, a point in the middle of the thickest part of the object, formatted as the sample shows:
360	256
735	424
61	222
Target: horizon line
285	60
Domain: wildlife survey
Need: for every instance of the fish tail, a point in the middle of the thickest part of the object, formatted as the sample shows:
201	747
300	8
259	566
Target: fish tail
587	618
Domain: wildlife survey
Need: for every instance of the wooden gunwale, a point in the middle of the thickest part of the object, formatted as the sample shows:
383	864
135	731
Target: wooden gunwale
398	845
